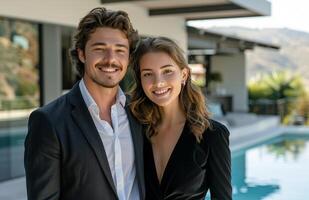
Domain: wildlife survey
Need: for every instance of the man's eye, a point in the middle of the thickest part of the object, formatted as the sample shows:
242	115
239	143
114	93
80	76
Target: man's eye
99	49
120	51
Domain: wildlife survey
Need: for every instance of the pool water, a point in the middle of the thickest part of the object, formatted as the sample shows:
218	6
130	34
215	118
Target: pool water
276	170
11	155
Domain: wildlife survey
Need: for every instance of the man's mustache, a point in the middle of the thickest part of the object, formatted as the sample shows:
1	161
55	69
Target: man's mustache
108	65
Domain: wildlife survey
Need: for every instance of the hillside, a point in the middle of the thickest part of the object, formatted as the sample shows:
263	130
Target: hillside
293	55
18	64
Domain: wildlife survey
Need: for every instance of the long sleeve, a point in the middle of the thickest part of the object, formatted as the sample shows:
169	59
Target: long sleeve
219	163
42	159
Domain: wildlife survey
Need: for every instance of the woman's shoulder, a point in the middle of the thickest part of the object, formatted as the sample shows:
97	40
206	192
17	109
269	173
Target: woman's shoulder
216	126
216	132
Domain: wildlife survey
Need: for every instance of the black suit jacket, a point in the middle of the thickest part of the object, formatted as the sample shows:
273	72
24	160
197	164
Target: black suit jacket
65	157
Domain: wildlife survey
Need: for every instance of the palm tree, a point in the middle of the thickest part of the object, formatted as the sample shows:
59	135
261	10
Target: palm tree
284	84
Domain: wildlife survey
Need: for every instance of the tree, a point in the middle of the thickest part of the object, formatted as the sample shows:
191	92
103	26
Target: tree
277	85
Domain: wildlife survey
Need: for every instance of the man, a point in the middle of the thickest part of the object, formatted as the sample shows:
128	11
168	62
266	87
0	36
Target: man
85	144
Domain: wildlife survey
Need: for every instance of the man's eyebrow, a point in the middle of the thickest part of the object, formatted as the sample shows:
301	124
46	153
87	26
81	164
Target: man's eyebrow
104	44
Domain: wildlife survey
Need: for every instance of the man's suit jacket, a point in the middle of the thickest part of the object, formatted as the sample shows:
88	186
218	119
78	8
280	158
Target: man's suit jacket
65	157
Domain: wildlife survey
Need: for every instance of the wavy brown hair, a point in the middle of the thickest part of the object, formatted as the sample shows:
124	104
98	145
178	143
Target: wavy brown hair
191	99
96	18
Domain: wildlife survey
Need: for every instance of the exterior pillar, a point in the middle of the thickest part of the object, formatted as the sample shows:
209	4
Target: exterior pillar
51	69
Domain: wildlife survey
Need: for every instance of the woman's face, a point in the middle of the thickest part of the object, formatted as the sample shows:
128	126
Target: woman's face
161	78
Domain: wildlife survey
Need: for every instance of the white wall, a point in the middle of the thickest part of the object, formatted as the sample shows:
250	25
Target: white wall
233	71
64	12
69	12
173	27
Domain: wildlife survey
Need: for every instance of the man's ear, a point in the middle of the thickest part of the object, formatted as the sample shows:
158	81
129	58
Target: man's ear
81	55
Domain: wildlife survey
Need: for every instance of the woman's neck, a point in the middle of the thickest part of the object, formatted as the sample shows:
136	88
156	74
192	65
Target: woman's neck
172	115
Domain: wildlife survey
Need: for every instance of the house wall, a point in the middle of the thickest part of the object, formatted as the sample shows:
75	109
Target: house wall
69	12
233	71
168	26
57	13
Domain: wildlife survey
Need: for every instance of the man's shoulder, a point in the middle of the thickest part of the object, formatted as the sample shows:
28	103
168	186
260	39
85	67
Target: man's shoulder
58	103
56	108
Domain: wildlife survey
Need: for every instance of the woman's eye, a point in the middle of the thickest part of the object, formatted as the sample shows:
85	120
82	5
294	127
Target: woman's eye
146	74
168	71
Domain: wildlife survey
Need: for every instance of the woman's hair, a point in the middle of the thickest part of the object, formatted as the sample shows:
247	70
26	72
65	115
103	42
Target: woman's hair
191	98
97	18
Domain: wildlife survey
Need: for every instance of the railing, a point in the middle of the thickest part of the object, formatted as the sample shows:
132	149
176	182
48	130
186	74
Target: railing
18	103
285	108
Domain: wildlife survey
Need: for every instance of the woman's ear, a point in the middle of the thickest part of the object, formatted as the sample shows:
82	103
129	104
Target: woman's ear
185	73
81	55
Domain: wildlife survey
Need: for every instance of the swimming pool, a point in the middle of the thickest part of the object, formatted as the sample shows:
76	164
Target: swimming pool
12	155
274	170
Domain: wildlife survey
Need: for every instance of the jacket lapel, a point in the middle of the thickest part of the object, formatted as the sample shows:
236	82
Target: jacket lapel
137	137
83	119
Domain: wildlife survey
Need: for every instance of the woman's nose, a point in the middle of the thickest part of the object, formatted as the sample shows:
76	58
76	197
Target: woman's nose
159	81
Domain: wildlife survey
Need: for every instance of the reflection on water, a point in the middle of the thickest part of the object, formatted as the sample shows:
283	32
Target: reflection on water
287	148
243	189
274	171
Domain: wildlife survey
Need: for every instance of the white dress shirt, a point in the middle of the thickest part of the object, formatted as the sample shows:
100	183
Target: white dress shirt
117	142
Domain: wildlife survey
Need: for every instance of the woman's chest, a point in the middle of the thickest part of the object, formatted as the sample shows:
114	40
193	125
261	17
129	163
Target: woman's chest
185	169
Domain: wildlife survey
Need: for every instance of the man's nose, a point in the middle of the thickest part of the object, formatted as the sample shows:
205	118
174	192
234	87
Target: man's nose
109	56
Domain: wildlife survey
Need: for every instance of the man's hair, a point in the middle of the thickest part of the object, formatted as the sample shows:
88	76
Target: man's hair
97	18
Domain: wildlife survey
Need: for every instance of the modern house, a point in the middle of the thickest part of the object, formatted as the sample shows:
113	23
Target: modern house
35	37
54	21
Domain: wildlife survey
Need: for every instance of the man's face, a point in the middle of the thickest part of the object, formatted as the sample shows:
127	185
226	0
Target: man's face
106	57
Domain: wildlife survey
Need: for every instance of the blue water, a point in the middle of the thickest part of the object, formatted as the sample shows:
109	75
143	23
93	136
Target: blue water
11	155
276	170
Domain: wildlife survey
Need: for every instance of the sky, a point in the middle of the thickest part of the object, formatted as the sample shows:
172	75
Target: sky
292	14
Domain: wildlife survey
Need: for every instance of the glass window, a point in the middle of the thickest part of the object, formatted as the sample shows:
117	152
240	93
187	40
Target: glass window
19	90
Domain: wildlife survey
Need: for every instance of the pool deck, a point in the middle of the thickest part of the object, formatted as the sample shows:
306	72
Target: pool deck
244	134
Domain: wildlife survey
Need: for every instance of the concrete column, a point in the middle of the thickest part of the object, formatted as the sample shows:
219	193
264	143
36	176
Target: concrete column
51	63
233	71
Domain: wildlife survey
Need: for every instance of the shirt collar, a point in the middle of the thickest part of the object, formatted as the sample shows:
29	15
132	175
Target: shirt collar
120	97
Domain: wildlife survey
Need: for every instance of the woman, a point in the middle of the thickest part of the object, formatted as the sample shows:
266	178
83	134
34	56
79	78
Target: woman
186	154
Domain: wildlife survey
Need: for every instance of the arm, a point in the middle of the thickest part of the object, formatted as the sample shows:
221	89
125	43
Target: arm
42	159
219	163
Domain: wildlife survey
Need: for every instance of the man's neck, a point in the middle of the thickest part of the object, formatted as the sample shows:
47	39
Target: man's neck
104	98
